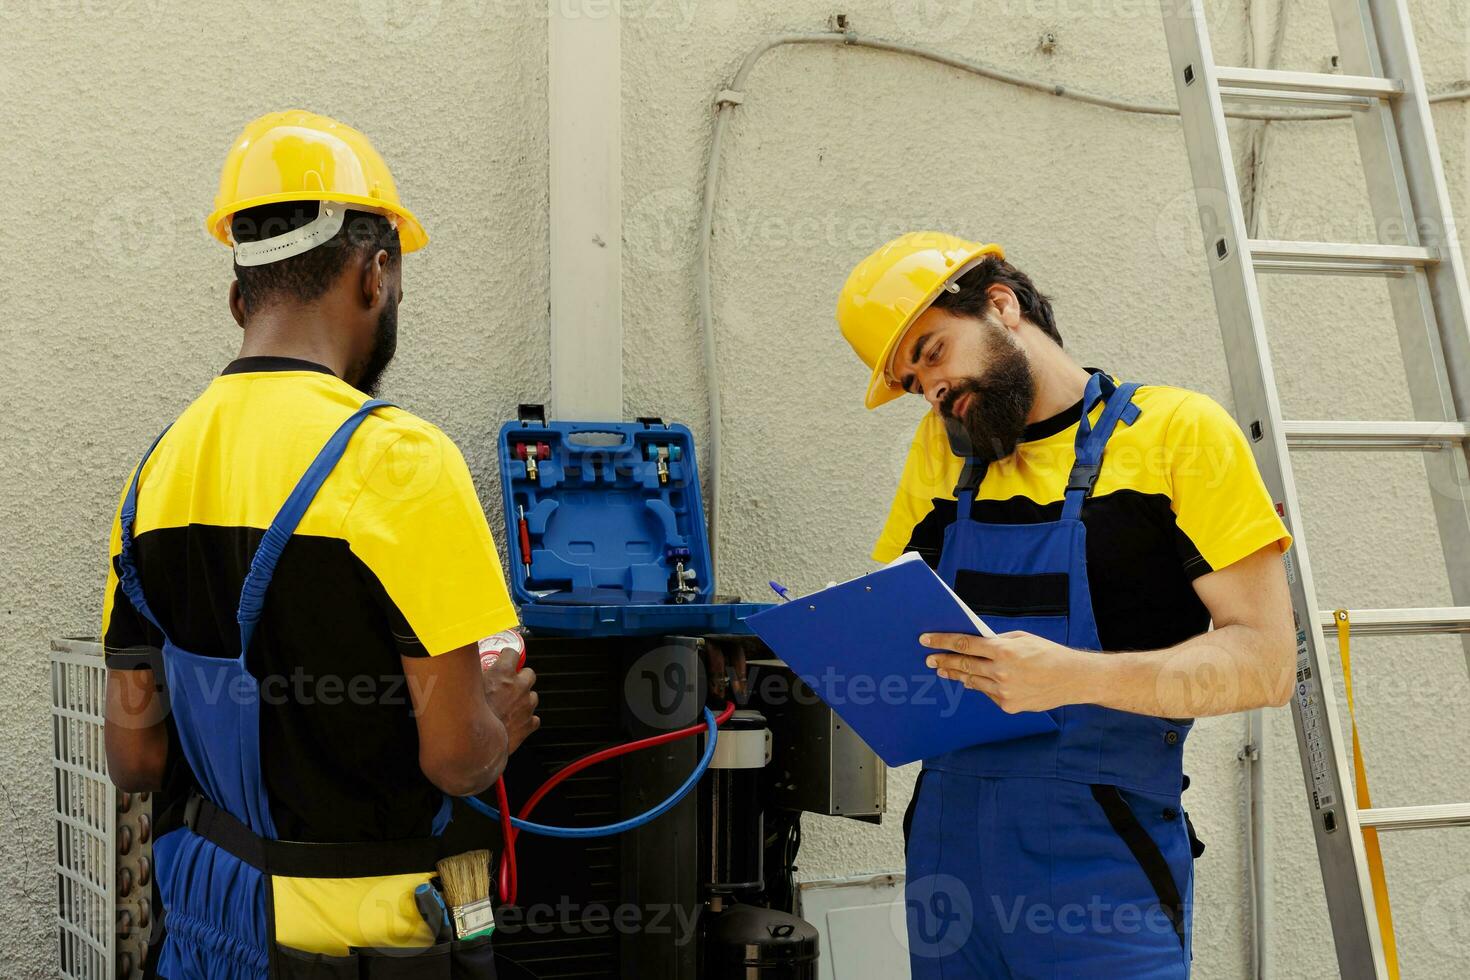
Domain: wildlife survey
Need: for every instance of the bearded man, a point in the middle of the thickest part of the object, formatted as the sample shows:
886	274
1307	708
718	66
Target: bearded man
1100	527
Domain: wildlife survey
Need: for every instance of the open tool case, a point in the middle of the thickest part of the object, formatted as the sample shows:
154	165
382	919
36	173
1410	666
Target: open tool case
606	529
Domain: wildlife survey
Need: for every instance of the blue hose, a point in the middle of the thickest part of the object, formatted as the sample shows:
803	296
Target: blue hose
623	826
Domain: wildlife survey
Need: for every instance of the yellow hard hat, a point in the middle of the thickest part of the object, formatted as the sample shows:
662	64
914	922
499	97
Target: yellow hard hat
301	156
888	290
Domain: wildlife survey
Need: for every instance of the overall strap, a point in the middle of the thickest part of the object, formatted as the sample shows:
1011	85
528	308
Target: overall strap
127	574
1091	440
968	486
268	553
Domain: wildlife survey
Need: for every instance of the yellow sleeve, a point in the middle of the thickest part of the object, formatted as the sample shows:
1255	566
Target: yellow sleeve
127	637
1219	500
113	594
418	527
929	472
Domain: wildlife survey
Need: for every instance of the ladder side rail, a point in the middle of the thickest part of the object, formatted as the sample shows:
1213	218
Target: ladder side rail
1340	849
1428	190
1410	202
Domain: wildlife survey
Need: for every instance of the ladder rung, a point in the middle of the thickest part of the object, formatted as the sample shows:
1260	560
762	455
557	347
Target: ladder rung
1416	817
1302	100
1338	258
1303	86
1374	435
1402	622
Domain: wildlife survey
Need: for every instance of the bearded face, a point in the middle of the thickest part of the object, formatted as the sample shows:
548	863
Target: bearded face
369	372
993	405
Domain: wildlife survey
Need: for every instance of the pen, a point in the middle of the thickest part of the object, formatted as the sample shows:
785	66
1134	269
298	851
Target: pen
780	590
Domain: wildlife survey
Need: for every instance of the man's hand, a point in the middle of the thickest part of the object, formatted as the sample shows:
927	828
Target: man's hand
469	720
726	665
512	698
1247	661
1018	671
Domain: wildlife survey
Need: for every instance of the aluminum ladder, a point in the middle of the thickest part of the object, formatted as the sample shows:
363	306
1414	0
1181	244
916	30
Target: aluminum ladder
1383	87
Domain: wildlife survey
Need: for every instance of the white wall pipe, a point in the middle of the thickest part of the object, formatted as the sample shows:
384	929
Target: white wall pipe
585	183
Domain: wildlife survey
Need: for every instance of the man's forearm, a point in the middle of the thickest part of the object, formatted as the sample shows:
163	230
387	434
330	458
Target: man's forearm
135	735
1233	668
476	768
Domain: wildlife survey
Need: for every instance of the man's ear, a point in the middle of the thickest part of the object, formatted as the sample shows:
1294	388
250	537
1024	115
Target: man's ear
375	279
237	303
1005	304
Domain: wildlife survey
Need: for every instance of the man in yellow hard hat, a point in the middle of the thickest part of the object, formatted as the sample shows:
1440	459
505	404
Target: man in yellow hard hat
1099	527
299	577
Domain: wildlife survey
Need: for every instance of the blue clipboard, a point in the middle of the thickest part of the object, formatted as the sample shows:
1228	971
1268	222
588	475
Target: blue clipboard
857	646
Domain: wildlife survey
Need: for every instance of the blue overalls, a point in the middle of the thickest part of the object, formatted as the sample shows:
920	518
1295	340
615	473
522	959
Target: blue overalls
1060	855
214	872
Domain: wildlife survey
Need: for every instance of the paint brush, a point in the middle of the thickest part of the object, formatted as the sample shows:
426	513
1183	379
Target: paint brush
466	881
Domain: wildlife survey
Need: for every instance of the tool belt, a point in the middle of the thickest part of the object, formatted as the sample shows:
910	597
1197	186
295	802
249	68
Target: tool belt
468	959
300	859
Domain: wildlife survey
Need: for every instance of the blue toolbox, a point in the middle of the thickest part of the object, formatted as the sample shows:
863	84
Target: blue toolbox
606	529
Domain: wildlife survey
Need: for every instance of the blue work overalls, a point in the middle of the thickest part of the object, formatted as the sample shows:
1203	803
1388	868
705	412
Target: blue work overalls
1063	855
214	872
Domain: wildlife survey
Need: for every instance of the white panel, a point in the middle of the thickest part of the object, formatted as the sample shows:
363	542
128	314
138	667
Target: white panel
860	922
585	108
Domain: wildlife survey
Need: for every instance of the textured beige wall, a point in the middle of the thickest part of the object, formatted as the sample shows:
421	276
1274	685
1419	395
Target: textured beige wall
112	305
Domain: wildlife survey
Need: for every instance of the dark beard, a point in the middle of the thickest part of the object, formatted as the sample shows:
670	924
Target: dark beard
1002	398
369	372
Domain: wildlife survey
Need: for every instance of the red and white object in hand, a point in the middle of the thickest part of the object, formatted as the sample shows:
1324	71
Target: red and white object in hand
510	641
512	644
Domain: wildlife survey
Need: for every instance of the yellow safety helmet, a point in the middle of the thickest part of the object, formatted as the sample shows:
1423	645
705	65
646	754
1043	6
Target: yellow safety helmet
888	290
300	156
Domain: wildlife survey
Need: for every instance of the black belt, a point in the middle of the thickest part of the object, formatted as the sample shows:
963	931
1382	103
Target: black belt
302	859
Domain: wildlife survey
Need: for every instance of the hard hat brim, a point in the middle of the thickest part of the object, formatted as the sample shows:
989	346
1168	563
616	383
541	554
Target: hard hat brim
880	392
411	234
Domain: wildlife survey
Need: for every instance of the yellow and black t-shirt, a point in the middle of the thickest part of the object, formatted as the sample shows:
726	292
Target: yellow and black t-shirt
392	559
1179	496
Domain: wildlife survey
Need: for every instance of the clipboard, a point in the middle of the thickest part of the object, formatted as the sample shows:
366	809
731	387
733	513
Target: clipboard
856	645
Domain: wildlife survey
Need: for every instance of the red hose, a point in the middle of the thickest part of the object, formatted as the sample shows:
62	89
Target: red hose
508	882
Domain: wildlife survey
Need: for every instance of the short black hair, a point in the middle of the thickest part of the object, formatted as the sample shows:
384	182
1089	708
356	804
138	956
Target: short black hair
307	276
972	300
